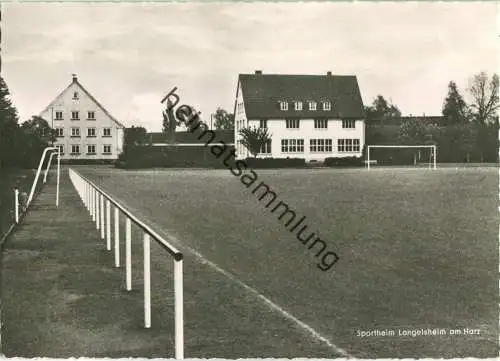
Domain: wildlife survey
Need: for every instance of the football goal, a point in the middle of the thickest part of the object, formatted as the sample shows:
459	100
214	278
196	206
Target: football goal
420	154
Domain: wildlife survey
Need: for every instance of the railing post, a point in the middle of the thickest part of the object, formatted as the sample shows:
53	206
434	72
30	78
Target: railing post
94	205
101	212
179	310
108	225
86	194
117	237
435	157
147	280
16	204
128	253
98	208
368	157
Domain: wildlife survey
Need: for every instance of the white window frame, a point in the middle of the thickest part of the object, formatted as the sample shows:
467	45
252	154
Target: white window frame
298	106
313	106
321	145
292	145
104	149
61	113
89	147
73	112
104	132
346	124
319	122
91	115
73	147
263	123
348	145
59	132
89	131
75	132
290	123
327	106
61	148
283	106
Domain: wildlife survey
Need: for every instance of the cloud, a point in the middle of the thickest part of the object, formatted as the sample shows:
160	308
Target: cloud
128	54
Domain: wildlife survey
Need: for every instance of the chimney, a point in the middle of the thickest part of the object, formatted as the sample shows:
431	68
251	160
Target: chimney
329	73
75	79
259	72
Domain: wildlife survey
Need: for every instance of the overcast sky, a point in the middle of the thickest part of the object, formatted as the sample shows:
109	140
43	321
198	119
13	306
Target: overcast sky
130	55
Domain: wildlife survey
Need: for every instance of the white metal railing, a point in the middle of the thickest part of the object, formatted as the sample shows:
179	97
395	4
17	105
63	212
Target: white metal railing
432	147
53	150
99	203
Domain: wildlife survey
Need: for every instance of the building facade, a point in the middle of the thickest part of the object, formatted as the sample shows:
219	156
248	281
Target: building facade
308	116
84	129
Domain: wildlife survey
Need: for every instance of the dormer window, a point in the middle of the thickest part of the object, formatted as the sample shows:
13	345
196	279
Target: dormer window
284	105
298	105
327	106
75	95
312	105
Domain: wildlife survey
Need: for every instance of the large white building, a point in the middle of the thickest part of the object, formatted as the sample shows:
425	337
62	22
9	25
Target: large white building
85	130
308	116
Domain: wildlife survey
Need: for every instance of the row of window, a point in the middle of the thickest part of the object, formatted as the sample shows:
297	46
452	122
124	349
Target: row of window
91	149
318	124
295	123
317	145
91	132
326	106
75	115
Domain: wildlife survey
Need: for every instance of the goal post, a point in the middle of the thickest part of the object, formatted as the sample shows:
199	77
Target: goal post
53	150
433	149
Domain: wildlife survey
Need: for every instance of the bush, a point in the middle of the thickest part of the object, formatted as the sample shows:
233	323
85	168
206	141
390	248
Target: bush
86	161
275	162
137	157
344	162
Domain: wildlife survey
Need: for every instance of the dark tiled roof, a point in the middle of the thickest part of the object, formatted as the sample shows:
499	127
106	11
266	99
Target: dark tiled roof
263	92
227	136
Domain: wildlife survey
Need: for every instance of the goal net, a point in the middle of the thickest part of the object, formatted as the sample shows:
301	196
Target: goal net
421	156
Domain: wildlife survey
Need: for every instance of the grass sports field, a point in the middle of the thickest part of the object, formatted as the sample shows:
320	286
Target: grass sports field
418	249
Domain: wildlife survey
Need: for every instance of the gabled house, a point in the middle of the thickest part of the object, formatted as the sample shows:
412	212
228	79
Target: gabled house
308	116
84	128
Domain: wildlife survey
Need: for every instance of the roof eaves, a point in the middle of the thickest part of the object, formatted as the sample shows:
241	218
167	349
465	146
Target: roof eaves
99	105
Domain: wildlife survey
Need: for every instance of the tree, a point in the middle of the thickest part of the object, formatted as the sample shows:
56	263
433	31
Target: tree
8	123
381	111
135	136
40	130
254	139
414	131
485	101
223	120
170	123
455	110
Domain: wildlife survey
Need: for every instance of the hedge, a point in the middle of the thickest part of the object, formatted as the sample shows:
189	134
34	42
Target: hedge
275	163
343	162
136	157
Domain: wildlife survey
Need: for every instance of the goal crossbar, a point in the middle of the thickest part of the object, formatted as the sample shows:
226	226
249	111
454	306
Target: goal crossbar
432	147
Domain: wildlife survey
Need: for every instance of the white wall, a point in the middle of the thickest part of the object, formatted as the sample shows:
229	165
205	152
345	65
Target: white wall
240	122
306	131
66	104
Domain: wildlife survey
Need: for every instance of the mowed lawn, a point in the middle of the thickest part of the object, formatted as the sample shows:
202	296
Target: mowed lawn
418	249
